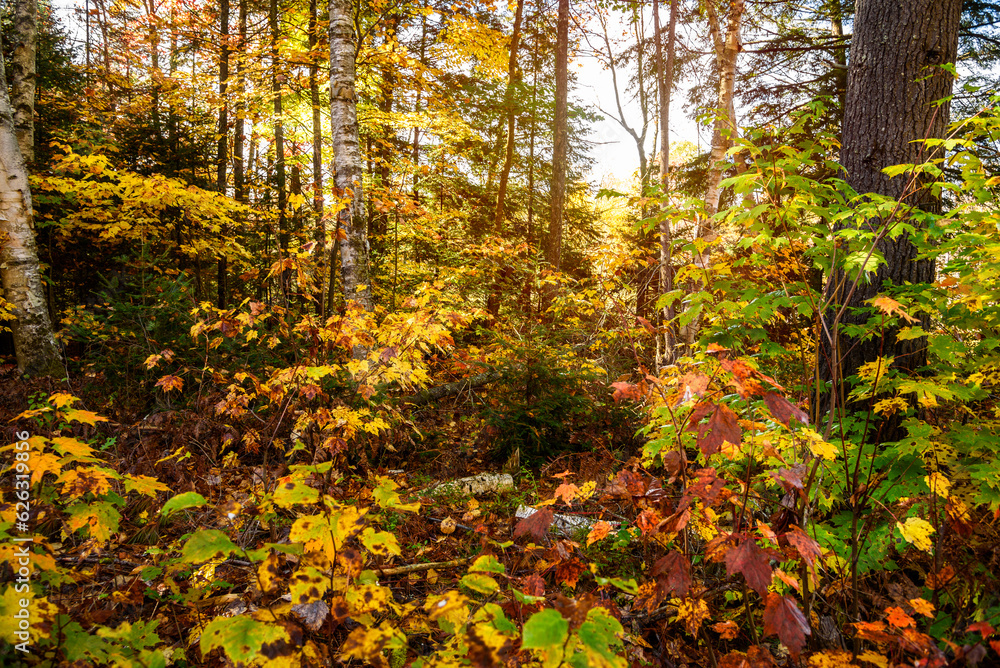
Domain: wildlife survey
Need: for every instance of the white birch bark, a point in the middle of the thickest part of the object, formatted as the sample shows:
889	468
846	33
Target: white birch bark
22	75
34	342
727	48
347	164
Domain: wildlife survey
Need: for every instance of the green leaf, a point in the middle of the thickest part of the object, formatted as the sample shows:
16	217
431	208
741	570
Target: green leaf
183	502
486	564
242	639
482	584
207	544
292	492
545	630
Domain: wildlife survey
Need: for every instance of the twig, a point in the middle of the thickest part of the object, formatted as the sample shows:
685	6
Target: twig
415	568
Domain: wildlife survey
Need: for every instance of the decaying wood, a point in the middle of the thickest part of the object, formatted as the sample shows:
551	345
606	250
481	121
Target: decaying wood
416	568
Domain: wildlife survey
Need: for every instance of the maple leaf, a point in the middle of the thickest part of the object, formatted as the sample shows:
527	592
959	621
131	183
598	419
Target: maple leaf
693	611
567	492
783	410
873	631
750	560
920	606
673	572
722	426
917	531
783	618
648	521
808	548
983	628
898	618
170	382
536	525
728	630
624	390
790	479
568	572
707	486
890	306
598	532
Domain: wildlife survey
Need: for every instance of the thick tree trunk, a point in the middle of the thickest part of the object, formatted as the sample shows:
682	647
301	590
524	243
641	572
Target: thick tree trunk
22	75
553	246
665	79
222	157
34	343
347	151
893	83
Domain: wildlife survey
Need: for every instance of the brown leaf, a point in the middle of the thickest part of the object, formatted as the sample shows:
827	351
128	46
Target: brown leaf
535	525
722	426
568	572
783	618
750	560
783	410
673	573
707	486
648	521
728	629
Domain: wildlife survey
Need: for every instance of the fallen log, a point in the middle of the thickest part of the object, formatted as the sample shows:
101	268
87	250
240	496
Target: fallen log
451	389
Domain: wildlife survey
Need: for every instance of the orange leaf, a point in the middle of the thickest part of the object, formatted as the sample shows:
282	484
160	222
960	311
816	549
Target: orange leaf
925	608
728	630
898	618
168	383
599	532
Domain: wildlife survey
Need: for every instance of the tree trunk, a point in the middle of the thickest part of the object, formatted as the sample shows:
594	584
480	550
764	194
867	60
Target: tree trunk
22	75
493	303
347	155
222	154
727	48
891	90
34	342
665	79
279	139
553	247
320	255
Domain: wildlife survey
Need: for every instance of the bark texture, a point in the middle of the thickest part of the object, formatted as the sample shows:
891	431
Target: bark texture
727	48
893	83
34	342
553	249
665	81
508	101
347	166
222	155
22	75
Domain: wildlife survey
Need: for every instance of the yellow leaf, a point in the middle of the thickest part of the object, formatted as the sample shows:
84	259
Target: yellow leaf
818	446
925	608
917	531
693	611
61	399
875	658
86	417
938	484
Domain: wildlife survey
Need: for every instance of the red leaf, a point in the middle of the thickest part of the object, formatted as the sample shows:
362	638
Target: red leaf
673	573
790	479
783	410
806	546
783	618
536	524
648	521
707	486
982	627
722	426
568	572
625	390
750	560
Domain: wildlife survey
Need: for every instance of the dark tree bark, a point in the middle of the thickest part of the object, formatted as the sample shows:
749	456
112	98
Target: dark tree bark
893	82
279	135
665	79
317	156
222	157
553	247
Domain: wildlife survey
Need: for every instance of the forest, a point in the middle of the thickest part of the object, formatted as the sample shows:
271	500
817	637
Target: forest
325	341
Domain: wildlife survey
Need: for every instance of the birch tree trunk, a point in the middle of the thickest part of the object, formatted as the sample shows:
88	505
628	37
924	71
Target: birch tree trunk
34	342
347	165
22	75
665	78
727	48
